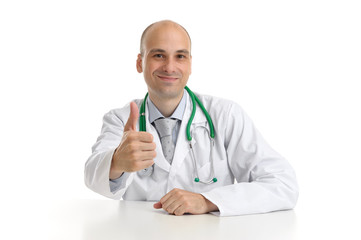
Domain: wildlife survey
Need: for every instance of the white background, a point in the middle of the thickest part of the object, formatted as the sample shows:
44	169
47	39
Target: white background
294	66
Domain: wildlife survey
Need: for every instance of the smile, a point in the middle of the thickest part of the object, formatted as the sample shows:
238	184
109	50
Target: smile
167	78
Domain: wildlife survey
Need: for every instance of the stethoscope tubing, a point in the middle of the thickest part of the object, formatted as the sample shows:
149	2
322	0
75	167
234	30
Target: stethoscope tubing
195	99
211	178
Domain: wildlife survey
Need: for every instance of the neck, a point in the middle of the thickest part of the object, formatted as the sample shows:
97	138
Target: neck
166	106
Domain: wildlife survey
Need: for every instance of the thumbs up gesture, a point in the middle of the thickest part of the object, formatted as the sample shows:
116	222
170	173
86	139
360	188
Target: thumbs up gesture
136	150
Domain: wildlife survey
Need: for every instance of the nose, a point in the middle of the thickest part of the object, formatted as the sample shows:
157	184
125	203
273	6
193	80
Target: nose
169	66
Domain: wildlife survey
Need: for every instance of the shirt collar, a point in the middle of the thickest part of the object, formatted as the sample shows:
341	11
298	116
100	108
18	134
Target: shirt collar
154	113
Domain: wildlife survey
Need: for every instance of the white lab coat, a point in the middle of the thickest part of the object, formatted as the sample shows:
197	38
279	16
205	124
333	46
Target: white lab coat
265	180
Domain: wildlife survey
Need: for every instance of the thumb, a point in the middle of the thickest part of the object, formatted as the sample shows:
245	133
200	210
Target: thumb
157	205
131	124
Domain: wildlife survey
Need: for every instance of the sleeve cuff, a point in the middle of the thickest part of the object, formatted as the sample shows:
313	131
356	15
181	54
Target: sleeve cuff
119	183
216	213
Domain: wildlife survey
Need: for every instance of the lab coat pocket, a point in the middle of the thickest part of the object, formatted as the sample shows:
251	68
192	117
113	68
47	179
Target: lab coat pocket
204	172
202	145
221	173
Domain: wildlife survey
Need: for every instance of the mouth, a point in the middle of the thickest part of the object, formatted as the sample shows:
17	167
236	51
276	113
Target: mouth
167	78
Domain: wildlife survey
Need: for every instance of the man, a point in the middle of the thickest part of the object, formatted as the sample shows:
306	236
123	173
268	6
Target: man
134	165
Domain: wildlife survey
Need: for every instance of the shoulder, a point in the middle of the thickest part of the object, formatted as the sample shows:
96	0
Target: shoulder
219	105
121	114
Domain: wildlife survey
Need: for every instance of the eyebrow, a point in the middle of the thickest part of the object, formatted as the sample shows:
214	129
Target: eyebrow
156	50
185	51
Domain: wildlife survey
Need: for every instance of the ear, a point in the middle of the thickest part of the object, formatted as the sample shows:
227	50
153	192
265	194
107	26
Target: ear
139	63
190	72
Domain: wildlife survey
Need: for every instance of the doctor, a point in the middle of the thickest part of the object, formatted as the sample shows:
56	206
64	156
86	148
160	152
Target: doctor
234	173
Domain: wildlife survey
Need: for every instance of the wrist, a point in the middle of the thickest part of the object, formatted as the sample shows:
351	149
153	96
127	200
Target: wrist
211	207
115	175
114	172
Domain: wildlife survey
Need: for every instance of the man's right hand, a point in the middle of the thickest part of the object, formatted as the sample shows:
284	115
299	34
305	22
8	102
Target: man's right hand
136	150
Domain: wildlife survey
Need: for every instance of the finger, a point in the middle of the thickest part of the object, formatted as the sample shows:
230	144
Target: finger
140	165
165	198
131	124
173	206
166	204
139	136
157	205
142	146
145	137
145	155
180	211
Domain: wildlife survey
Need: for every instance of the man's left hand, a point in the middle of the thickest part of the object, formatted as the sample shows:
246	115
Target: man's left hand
180	201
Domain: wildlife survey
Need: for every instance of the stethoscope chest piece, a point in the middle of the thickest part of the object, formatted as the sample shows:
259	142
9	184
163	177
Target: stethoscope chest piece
213	179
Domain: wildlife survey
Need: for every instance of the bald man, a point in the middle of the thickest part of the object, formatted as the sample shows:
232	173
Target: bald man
138	165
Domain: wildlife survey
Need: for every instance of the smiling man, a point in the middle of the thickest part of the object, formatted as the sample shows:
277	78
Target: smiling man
185	151
165	60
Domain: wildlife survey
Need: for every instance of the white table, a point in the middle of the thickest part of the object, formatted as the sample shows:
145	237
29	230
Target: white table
109	219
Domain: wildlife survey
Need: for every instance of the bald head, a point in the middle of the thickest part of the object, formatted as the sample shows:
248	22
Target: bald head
160	25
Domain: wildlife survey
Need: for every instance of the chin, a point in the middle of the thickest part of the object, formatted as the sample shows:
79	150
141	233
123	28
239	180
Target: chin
170	93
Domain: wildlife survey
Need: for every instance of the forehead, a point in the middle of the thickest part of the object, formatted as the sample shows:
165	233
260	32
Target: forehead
167	36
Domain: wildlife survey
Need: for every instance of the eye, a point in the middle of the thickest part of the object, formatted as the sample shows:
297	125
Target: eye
158	55
180	56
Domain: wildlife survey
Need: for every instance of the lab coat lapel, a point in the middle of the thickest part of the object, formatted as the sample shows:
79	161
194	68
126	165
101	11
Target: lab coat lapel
182	147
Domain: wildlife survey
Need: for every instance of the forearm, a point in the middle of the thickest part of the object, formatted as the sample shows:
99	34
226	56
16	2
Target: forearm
114	172
97	175
254	197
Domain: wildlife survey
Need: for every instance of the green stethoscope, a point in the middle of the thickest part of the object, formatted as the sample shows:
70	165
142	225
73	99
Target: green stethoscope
195	99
